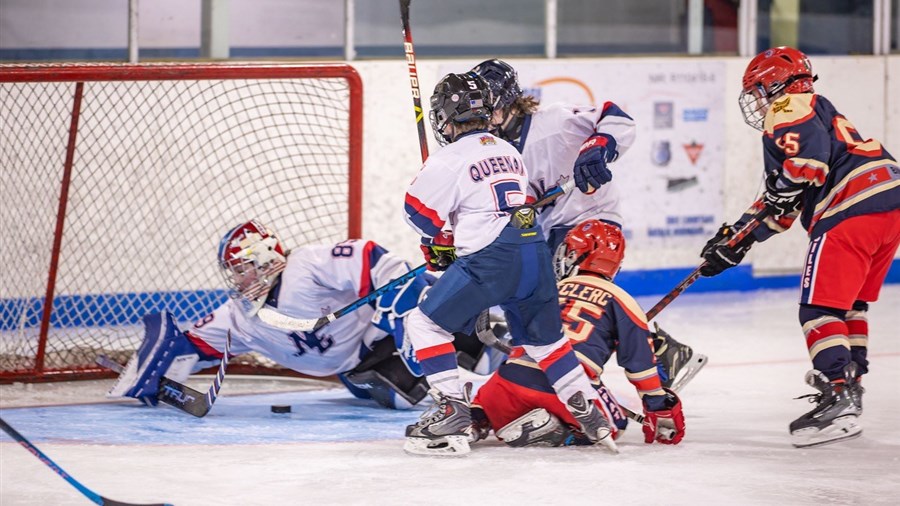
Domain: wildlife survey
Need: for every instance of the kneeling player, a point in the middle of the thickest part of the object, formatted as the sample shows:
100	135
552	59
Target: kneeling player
367	348
599	318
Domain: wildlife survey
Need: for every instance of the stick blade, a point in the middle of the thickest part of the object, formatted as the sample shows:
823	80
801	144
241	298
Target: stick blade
276	319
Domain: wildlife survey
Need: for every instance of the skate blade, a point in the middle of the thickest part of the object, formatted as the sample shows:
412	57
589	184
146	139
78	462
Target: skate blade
687	373
842	429
447	446
607	441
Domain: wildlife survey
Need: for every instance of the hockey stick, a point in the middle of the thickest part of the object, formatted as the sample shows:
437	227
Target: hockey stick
695	274
283	321
179	395
90	494
413	77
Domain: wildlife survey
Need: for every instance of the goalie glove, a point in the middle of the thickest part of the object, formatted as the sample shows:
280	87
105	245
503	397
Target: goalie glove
439	251
718	256
591	169
659	424
781	200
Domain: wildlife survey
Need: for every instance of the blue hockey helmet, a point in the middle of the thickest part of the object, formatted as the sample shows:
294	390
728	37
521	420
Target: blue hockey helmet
503	81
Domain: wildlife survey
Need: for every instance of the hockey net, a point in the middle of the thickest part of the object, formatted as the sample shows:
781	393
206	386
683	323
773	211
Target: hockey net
118	182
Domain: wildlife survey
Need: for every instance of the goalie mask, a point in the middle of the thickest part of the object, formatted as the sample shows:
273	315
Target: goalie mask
770	75
251	258
458	98
590	247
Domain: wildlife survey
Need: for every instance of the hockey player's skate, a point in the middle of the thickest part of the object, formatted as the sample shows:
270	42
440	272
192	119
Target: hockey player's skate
443	429
592	421
678	362
855	388
538	427
835	417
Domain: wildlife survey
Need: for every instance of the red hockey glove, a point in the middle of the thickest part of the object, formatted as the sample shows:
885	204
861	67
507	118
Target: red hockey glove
658	425
591	169
439	251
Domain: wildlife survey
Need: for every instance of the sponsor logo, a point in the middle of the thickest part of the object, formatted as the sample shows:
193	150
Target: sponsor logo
661	153
782	105
663	115
486	140
680	183
698	114
693	151
173	393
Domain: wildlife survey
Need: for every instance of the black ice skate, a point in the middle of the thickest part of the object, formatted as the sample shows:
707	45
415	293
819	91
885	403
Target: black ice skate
835	417
538	427
593	424
679	362
443	429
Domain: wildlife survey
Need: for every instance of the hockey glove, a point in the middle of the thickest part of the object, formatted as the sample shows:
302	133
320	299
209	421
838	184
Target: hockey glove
657	424
439	251
781	200
718	256
591	169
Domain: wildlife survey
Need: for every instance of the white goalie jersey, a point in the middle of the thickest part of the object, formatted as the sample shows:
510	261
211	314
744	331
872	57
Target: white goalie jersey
550	145
316	281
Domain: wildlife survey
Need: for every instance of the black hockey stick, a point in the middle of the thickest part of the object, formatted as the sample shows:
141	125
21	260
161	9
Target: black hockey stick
179	395
90	494
413	77
695	274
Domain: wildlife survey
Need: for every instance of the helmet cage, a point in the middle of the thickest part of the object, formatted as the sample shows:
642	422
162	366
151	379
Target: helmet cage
251	258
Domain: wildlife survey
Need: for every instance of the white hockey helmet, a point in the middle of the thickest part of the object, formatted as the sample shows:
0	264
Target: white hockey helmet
251	258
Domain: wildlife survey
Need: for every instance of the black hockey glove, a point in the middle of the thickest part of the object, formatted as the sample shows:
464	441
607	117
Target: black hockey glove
781	200
439	251
718	256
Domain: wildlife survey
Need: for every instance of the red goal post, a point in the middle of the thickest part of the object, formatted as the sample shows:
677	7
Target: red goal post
119	180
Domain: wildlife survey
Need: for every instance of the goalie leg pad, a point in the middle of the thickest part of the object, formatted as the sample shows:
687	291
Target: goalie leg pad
538	427
384	377
165	351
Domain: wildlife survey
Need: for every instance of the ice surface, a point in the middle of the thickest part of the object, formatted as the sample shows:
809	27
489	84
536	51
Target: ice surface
336	450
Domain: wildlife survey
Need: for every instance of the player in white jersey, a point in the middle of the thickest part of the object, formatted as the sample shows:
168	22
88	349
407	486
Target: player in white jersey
560	141
365	348
461	204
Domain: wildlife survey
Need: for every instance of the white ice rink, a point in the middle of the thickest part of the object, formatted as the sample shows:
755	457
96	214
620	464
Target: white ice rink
334	450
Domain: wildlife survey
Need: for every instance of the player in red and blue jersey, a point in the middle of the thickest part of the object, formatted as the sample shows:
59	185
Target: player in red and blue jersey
599	319
846	191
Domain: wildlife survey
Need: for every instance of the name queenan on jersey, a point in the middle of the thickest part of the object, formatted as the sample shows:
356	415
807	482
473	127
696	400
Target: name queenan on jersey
495	165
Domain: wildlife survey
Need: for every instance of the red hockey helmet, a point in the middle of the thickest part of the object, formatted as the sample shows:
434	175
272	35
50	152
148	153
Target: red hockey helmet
251	257
591	246
769	75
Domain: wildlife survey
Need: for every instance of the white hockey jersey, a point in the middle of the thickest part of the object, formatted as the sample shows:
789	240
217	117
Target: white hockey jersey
550	145
470	185
316	281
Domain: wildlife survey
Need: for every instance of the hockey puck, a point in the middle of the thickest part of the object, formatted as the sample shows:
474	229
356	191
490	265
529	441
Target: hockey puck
280	408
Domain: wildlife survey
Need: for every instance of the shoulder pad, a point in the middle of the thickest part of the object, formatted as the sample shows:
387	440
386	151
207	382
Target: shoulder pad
790	110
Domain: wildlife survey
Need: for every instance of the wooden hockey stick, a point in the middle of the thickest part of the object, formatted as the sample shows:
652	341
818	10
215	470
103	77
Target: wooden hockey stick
751	225
90	494
413	77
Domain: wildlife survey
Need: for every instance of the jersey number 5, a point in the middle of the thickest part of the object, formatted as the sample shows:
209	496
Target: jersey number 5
579	319
507	194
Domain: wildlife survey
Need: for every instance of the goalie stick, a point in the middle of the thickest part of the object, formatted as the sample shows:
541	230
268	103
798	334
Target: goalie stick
90	494
283	321
179	395
695	274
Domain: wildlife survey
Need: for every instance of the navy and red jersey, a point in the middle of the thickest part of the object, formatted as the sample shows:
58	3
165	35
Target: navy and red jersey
808	143
599	318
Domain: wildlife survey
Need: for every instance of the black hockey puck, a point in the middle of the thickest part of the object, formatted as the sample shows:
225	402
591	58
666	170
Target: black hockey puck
280	408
